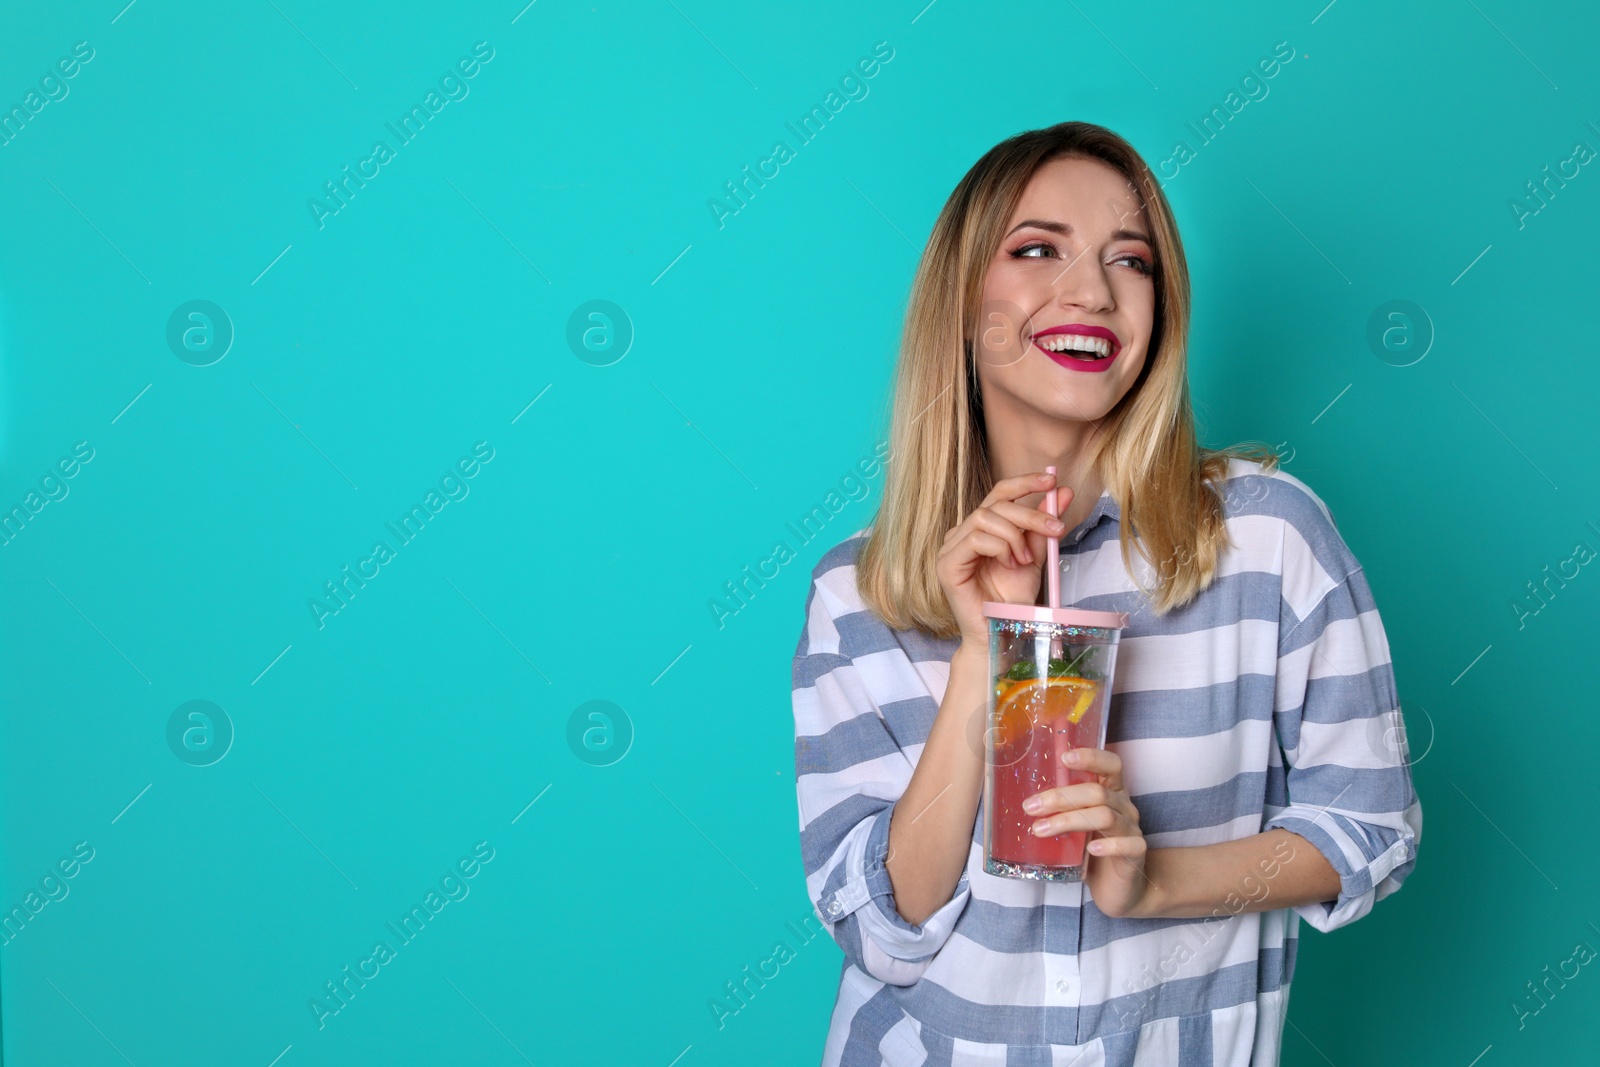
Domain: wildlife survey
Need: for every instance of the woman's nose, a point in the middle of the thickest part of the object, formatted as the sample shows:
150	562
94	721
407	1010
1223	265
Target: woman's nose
1082	283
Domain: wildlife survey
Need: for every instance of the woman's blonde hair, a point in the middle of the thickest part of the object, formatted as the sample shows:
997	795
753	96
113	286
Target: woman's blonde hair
1146	452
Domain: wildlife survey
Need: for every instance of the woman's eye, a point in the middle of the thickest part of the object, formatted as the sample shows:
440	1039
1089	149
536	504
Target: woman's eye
1140	264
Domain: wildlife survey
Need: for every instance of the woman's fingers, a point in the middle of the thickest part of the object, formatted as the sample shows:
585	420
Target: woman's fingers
1021	485
1028	518
1100	818
994	546
1129	849
1079	797
975	545
1010	522
1003	530
1018	486
1001	515
990	521
1097	761
1102	806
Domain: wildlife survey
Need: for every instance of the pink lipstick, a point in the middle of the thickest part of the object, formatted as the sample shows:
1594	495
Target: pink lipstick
1094	356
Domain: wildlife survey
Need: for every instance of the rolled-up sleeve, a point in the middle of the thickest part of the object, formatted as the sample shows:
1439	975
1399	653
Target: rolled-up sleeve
1344	782
850	774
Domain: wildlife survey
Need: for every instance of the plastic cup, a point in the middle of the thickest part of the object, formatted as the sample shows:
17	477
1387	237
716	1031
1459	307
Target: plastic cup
1050	671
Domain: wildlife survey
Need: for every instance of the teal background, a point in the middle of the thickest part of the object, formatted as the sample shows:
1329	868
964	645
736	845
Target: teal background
432	711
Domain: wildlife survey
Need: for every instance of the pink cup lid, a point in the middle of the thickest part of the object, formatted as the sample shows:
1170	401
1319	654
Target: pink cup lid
1109	620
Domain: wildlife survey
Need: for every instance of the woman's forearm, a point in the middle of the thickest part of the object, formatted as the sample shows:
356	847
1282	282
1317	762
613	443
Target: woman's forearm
1275	869
930	835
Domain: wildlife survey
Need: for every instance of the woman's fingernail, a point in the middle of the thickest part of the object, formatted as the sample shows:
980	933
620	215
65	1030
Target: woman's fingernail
1096	847
1071	756
1041	828
1031	804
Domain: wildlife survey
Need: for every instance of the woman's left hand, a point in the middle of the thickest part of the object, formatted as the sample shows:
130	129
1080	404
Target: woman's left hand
1115	860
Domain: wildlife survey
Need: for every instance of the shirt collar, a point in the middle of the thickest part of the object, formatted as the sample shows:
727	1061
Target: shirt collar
1105	507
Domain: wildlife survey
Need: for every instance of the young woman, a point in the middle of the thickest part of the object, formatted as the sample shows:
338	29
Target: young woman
1255	771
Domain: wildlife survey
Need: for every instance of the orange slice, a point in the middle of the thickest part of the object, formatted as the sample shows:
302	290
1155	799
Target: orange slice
1034	701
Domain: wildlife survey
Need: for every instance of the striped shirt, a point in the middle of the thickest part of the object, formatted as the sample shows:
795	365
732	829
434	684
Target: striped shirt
1267	701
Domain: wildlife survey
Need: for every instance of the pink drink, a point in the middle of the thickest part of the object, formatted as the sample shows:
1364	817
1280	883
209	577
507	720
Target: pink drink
1029	739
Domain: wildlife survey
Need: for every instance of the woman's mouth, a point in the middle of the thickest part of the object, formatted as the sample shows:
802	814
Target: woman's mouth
1078	347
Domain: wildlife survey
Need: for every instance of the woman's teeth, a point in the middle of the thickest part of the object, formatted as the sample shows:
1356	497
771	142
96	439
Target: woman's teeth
1078	346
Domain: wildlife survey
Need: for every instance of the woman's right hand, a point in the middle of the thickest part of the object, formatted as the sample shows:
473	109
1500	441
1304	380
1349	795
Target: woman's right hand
998	552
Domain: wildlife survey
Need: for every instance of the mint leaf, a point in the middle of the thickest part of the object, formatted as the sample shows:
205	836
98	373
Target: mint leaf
1078	665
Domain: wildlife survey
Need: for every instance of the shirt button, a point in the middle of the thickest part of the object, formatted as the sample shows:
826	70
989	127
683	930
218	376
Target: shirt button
835	908
1063	987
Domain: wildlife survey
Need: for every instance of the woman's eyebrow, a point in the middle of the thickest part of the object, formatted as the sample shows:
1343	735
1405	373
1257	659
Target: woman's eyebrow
1063	229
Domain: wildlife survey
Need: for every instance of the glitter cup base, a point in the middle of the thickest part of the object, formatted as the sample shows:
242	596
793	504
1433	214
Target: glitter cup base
1037	872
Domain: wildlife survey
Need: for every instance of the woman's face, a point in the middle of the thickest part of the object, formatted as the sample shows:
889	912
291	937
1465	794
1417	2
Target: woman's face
1073	269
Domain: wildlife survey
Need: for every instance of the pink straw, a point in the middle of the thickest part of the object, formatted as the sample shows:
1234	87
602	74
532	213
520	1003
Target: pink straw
1053	566
1052	545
